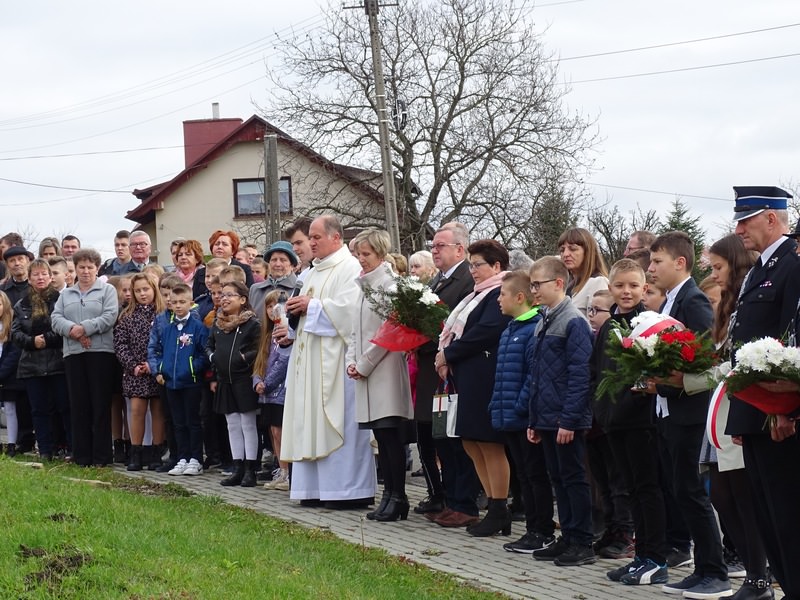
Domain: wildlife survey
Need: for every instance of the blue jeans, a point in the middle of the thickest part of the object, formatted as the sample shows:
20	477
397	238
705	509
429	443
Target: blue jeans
566	464
48	398
184	404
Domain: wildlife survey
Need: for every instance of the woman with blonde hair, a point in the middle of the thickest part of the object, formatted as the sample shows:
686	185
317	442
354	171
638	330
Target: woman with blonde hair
420	265
383	389
587	268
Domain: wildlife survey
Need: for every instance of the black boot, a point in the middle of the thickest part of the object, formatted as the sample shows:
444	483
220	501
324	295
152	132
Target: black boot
382	506
396	509
237	476
249	478
151	456
497	519
431	504
119	451
135	462
11	450
754	589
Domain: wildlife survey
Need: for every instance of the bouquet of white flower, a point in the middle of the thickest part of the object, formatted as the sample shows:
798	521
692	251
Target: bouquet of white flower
765	360
414	314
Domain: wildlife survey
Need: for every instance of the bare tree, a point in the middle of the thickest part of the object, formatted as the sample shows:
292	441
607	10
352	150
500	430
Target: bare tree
612	229
486	128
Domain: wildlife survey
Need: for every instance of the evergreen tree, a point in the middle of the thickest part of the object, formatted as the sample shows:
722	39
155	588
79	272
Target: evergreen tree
680	219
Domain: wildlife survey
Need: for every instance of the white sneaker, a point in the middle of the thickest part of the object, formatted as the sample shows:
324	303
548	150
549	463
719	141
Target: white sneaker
193	468
179	467
282	485
281	482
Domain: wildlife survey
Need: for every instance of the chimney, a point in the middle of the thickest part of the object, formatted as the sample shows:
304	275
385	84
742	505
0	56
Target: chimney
202	135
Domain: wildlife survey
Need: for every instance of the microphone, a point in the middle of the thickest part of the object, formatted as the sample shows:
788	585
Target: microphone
294	320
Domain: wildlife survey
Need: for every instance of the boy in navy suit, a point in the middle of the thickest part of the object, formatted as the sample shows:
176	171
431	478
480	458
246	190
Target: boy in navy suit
681	423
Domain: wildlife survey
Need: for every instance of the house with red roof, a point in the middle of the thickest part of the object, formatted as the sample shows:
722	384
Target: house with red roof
222	186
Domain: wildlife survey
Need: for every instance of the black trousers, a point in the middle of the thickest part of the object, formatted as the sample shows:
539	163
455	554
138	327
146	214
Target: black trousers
636	455
613	490
732	496
774	471
534	482
459	478
680	456
90	381
427	456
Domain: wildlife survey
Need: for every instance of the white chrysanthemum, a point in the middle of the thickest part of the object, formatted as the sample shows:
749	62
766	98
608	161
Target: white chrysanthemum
764	355
416	285
648	316
428	297
648	344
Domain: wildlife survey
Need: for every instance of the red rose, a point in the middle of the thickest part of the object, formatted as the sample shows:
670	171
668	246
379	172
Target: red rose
687	353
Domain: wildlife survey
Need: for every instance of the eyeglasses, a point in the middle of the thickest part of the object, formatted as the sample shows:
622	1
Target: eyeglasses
139	244
441	245
593	310
230	295
535	285
476	265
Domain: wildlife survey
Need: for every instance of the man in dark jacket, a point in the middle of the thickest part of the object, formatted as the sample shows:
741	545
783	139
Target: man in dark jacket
767	306
451	500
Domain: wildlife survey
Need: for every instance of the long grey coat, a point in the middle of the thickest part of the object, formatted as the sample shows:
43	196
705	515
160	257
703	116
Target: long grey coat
385	390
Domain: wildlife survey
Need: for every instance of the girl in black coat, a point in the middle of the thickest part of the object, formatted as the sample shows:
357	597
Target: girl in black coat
232	348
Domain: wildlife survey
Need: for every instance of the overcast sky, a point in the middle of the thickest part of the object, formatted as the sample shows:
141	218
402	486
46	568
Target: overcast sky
87	78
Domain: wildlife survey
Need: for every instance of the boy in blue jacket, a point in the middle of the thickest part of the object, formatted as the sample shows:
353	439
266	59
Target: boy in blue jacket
509	411
560	410
176	354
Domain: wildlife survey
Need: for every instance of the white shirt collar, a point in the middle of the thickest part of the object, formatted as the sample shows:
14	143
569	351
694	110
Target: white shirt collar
770	250
451	270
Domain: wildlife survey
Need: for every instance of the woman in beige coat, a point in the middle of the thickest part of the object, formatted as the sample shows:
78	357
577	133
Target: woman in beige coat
383	390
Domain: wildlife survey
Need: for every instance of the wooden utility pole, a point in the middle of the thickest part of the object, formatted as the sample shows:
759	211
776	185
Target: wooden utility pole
272	208
389	190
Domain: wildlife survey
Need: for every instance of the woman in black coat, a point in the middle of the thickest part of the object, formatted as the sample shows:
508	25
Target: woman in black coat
469	354
41	364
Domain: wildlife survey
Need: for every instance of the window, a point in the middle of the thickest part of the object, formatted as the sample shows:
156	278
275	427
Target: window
248	196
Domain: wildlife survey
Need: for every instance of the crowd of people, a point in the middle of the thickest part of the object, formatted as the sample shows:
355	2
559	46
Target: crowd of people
216	364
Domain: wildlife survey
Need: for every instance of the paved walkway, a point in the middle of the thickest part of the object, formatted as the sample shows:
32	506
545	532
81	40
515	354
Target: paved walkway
481	561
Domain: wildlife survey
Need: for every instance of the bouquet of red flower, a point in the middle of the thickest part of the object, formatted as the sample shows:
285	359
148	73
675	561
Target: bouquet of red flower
655	347
765	360
414	314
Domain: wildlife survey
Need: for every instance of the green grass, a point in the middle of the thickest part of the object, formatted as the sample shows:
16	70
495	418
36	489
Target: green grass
137	540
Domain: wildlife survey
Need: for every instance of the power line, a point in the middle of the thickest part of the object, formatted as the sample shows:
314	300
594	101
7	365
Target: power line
174	77
102	133
686	69
669	44
96	152
61	187
633	189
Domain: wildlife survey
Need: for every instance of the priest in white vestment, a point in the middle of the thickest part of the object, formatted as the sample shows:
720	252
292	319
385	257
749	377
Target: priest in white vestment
331	457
